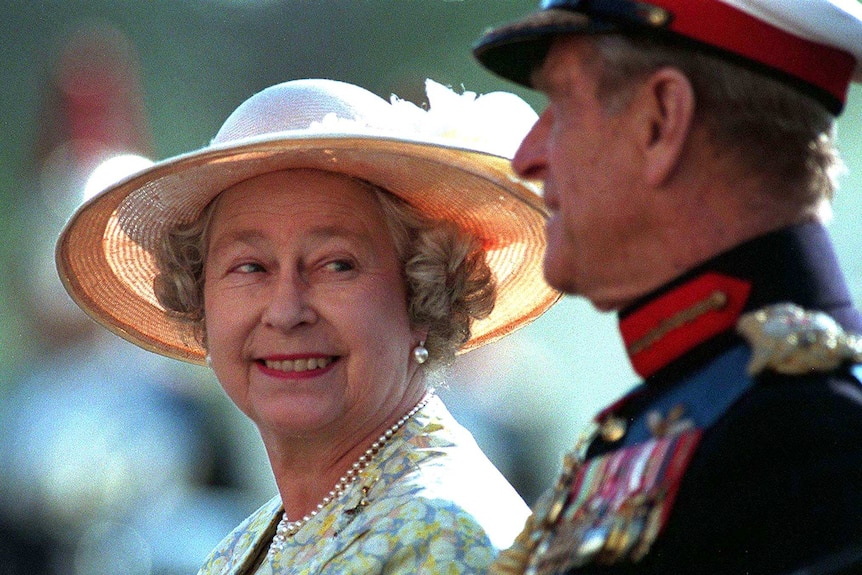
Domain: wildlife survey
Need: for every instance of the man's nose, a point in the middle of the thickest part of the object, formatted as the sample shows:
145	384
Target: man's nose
530	159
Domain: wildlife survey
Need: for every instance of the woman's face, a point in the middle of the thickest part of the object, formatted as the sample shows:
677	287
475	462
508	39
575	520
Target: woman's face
305	306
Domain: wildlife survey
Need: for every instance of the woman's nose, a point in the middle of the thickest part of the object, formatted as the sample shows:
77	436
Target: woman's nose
288	304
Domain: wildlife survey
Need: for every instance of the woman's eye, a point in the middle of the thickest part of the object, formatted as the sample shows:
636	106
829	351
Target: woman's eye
248	268
340	266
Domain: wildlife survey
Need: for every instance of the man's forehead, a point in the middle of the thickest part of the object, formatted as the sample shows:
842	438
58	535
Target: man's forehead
566	57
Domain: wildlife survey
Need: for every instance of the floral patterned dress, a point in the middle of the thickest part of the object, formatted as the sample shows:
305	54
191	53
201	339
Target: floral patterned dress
429	503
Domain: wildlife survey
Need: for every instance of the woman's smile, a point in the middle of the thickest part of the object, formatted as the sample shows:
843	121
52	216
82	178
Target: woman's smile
297	367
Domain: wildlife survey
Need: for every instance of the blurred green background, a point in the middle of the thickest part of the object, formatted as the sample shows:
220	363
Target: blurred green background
145	456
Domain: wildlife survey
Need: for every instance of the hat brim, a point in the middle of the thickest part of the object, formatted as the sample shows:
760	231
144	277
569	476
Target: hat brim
104	254
513	51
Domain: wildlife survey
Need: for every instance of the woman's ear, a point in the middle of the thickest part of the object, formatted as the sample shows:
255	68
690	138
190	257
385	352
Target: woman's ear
420	334
667	104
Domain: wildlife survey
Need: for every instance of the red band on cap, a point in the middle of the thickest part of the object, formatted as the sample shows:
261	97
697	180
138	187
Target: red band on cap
718	24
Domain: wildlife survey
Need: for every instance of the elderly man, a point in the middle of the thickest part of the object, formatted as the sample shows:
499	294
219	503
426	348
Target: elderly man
688	160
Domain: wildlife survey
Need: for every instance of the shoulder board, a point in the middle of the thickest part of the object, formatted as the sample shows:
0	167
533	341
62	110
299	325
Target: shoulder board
787	339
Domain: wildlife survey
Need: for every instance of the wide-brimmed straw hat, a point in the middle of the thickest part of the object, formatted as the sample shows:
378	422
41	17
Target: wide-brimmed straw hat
450	161
814	45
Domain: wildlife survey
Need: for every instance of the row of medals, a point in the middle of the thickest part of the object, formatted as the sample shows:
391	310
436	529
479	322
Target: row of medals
557	538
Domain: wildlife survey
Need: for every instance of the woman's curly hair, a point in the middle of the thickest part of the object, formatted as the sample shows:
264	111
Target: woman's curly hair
449	283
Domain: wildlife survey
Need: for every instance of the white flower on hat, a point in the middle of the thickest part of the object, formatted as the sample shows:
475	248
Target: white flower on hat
494	123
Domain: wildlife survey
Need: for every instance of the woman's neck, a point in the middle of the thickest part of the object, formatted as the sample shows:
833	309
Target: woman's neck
311	471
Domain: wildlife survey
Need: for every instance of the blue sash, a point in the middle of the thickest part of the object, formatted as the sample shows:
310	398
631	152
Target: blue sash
707	394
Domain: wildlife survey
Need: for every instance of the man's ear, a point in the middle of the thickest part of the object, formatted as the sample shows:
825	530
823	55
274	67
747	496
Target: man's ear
667	104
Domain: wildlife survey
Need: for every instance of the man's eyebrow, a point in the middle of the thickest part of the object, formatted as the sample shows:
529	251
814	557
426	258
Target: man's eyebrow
538	80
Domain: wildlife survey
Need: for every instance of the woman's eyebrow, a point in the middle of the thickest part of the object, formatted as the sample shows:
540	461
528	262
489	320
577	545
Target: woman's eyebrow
250	237
334	231
253	237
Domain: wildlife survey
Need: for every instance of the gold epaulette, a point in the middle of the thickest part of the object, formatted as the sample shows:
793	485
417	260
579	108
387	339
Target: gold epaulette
787	339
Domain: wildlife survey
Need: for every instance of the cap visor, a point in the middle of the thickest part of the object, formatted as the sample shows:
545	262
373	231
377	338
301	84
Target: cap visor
513	51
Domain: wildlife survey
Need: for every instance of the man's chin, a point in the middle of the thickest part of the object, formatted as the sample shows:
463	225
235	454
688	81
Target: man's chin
559	276
563	277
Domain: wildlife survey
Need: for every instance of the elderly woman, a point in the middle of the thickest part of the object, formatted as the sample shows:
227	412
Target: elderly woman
328	254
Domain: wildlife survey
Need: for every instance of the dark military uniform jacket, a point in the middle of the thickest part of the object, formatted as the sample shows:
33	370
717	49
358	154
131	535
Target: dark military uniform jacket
741	452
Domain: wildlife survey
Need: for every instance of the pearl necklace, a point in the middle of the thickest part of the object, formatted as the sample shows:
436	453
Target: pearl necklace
287	528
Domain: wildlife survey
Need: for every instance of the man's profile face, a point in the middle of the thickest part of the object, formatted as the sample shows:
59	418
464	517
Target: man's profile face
588	159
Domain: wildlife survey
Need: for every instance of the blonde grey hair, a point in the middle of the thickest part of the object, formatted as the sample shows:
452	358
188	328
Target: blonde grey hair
775	131
449	283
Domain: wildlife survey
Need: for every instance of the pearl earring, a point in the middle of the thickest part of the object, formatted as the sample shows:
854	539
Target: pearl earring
420	353
209	361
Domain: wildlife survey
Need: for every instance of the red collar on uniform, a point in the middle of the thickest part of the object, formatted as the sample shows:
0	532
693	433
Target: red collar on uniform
665	328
